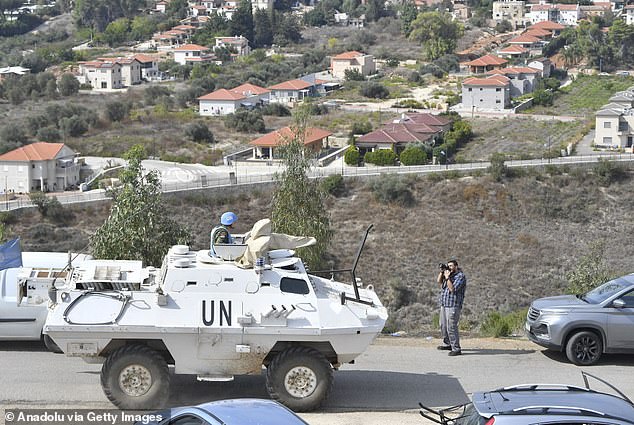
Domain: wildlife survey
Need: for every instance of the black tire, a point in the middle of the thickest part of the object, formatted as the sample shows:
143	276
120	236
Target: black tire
300	378
50	344
584	348
136	377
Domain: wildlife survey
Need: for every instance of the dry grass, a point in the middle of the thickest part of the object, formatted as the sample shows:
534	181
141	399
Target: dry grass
515	240
519	138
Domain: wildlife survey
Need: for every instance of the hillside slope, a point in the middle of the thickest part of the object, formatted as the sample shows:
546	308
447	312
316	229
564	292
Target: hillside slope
515	239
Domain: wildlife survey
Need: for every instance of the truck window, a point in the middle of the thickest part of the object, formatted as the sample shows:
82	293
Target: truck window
294	286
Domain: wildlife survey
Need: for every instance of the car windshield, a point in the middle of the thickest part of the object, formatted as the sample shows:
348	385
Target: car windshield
605	291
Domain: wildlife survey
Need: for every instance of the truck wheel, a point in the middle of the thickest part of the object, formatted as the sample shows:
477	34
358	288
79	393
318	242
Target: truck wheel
135	377
584	348
300	378
50	344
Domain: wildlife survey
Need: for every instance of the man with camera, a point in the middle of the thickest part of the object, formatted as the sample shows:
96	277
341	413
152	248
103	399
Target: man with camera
453	284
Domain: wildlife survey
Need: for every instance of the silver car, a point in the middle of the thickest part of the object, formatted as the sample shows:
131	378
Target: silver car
539	404
240	411
587	325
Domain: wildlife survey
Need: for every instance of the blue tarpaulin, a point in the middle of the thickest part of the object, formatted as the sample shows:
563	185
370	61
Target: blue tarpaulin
10	254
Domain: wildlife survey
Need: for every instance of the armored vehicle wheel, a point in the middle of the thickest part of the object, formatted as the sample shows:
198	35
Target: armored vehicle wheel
300	378
135	377
50	344
584	348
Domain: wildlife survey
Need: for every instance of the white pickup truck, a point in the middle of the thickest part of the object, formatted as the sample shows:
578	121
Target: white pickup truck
22	318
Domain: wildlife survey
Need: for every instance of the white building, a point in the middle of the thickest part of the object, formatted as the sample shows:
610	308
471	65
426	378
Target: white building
629	14
353	60
511	10
192	53
101	75
39	166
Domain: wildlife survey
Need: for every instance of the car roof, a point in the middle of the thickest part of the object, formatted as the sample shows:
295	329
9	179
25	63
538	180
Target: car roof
552	400
245	411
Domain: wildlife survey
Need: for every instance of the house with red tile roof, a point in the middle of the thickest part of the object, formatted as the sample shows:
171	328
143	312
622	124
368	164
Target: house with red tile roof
527	41
39	166
149	66
493	93
130	69
224	102
238	44
353	60
256	93
513	52
193	53
485	63
544	65
396	137
434	122
554	27
220	102
101	75
314	139
406	129
292	91
523	79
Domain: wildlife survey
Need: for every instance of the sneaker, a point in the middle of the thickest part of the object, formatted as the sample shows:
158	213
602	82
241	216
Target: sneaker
444	347
455	353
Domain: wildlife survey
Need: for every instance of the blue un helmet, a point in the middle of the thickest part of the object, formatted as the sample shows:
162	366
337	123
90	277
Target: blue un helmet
228	218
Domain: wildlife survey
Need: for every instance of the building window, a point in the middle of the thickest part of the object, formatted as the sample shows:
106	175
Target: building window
470	89
498	101
607	124
498	89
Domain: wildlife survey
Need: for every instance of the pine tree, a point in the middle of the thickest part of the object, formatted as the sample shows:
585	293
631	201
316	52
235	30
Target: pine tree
263	34
242	21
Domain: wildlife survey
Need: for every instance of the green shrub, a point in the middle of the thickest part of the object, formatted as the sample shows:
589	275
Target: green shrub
608	172
48	134
497	169
413	155
374	90
276	109
408	103
353	75
361	127
334	185
117	111
590	272
199	132
392	188
245	121
352	156
380	157
498	325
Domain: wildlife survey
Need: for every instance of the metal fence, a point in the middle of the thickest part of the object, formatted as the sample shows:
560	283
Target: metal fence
232	178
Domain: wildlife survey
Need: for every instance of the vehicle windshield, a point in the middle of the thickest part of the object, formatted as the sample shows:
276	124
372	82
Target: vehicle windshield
605	291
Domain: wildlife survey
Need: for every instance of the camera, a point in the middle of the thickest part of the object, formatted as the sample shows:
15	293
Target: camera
443	267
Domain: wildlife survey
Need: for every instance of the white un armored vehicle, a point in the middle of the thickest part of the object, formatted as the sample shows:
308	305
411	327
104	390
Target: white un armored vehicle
214	318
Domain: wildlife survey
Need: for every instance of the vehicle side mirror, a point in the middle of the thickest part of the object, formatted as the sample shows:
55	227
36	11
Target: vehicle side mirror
618	303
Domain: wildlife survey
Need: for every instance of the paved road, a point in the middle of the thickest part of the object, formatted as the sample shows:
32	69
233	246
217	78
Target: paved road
383	387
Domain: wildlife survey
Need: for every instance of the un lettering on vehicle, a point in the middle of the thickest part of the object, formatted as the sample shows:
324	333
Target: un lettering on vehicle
217	313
